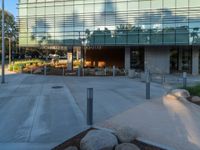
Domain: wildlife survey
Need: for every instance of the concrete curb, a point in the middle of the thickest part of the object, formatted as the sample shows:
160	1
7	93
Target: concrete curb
155	144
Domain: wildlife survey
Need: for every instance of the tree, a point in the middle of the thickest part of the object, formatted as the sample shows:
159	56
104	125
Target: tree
10	25
10	29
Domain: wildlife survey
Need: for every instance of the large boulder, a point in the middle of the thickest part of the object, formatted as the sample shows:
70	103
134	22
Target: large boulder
98	140
126	146
195	99
71	148
180	93
126	134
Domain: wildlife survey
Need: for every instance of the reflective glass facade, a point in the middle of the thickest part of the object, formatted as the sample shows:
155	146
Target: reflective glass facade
109	22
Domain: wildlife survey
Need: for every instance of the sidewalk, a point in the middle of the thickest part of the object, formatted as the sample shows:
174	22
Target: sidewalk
171	123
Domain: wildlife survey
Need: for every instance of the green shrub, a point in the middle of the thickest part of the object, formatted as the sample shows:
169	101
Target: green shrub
10	67
16	68
194	90
18	65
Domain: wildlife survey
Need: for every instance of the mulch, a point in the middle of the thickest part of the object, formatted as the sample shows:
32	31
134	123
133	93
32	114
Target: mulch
75	141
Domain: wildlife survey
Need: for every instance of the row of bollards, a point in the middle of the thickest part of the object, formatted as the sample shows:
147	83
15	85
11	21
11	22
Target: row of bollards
148	82
81	70
148	95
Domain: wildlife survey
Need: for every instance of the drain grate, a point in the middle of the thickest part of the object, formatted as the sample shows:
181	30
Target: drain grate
57	87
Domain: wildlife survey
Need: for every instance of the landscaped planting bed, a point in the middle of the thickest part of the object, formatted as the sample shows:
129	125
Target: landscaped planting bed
76	140
195	94
26	65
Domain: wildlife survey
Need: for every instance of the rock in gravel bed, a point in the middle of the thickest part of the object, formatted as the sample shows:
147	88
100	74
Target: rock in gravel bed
98	140
195	99
127	146
72	148
126	134
180	93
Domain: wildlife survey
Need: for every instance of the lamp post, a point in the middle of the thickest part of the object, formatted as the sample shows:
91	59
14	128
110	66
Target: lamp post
3	48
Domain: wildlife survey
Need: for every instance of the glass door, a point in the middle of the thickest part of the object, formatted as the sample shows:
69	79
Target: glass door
137	59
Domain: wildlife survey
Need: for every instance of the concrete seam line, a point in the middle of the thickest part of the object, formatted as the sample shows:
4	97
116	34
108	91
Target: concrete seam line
38	99
77	111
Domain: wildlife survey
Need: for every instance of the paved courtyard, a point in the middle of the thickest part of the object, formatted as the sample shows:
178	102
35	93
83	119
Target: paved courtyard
34	115
112	95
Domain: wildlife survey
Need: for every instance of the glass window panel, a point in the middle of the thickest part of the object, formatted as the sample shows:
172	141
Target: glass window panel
89	8
121	6
156	37
98	7
23	1
181	3
59	9
78	8
69	9
99	37
156	4
133	5
194	3
31	11
132	37
144	5
110	7
49	10
40	10
169	34
22	12
169	4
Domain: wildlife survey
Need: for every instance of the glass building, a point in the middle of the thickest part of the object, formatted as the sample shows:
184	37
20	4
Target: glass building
161	35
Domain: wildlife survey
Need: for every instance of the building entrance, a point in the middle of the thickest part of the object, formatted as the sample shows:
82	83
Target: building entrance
137	59
104	57
181	60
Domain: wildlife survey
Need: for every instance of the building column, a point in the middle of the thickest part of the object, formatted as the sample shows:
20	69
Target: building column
195	61
70	59
157	59
127	59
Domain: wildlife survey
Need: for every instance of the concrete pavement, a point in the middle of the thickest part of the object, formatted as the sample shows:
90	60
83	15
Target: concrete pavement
33	115
36	116
169	122
112	95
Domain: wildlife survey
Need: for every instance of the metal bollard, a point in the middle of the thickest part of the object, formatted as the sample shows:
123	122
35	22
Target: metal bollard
114	71
105	71
79	71
90	106
83	71
148	85
163	79
45	70
184	80
63	72
21	69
